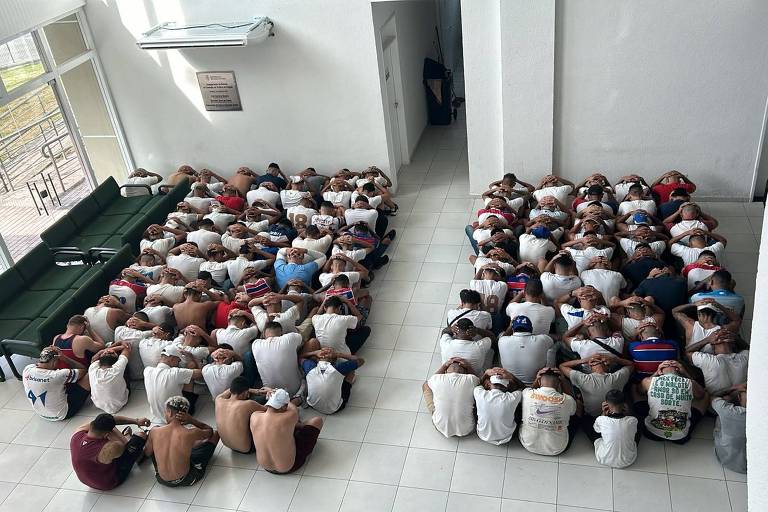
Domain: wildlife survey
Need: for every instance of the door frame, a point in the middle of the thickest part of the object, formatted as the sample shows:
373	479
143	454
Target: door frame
387	33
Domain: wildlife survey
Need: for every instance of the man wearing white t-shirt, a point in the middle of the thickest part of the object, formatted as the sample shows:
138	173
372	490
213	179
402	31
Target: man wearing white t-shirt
169	288
496	400
723	369
530	303
266	192
587	247
489	283
227	365
205	235
449	397
697	243
329	376
55	394
301	214
589	301
361	211
106	374
603	278
642	235
269	308
462	340
471	307
554	186
141	177
535	243
523	353
239	333
599	338
276	358
186	259
151	347
166	380
559	276
616	445
546	427
312	239
331	326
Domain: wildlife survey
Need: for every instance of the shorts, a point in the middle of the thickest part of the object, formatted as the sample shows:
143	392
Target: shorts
124	464
76	397
364	311
346	391
305	437
198	461
641	411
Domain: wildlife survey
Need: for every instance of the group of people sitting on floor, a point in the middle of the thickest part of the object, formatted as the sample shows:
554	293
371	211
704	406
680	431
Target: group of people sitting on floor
253	290
595	307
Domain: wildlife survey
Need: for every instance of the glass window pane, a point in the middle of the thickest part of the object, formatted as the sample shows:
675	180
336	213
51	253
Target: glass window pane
19	62
65	39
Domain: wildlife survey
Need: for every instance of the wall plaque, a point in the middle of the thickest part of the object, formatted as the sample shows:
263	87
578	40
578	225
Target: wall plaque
219	90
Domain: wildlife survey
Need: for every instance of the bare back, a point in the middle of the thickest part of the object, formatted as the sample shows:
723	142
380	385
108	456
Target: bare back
241	182
171	447
192	313
232	422
273	437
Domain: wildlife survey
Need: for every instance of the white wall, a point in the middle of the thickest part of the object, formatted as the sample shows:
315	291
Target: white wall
527	71
481	29
645	86
415	21
310	94
17	16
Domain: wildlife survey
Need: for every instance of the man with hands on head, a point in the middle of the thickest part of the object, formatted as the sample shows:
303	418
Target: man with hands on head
449	396
496	400
106	375
234	408
548	422
329	375
102	456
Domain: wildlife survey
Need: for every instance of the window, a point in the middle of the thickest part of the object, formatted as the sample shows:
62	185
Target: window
65	39
19	62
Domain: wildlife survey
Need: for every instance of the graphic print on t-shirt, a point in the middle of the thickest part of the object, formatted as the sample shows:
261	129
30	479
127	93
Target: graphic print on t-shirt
671	397
546	415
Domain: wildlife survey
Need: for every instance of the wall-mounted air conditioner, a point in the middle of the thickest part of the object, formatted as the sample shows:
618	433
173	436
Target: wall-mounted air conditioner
171	35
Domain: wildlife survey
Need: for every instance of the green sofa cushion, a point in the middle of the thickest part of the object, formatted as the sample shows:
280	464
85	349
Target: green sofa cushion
64	298
11	284
34	263
11	328
59	277
60	233
32	333
83	213
130	205
106	193
106	225
28	305
85	277
86	242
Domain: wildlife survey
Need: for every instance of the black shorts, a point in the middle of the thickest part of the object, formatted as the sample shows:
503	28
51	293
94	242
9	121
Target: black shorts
305	438
346	390
76	397
133	450
198	462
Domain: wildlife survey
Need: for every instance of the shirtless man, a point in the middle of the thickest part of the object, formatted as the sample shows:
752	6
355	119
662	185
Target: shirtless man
106	316
185	172
242	180
180	454
233	411
193	311
282	442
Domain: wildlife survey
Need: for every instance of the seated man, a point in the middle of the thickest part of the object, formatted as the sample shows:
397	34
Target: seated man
730	433
329	376
242	180
107	377
633	311
167	380
55	394
463	340
674	406
535	243
295	263
601	276
170	289
496	400
637	199
547	426
698	241
689	216
234	408
490	284
667	291
276	359
239	333
651	349
282	442
332	325
554	186
205	235
698	272
589	301
720	289
617	435
80	341
225	367
449	396
530	303
180	453
559	276
470	307
677	197
150	347
105	317
102	456
141	177
642	236
599	339
524	353
671	181
640	264
596	384
587	247
195	311
706	323
724	368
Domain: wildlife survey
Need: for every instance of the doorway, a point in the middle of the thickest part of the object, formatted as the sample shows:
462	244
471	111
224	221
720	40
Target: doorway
389	53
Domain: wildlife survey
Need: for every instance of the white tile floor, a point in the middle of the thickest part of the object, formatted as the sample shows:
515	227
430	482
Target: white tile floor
382	453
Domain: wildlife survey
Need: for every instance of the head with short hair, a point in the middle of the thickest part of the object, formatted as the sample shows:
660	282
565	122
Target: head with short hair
77	323
707	257
103	423
163	331
679	194
616	400
550	379
690	212
470	298
464	329
273	329
333	304
312	232
594	193
239	388
534	288
457	367
108	359
327	208
175	405
340	281
721	279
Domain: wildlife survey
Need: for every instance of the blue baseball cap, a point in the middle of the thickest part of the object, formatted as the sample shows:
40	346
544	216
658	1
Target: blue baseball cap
640	218
522	323
540	232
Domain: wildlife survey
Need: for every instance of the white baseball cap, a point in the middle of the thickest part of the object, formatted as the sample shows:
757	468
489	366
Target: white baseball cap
279	399
171	351
495	379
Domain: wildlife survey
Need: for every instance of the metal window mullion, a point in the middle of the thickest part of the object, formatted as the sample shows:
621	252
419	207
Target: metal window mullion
43	50
6	260
117	125
27	87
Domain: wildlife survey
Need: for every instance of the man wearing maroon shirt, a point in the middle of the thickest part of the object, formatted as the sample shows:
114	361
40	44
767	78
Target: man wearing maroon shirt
670	181
231	199
102	456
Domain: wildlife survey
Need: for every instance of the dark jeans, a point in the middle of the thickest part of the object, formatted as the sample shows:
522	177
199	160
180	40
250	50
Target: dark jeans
250	371
370	260
133	450
356	338
381	225
469	230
